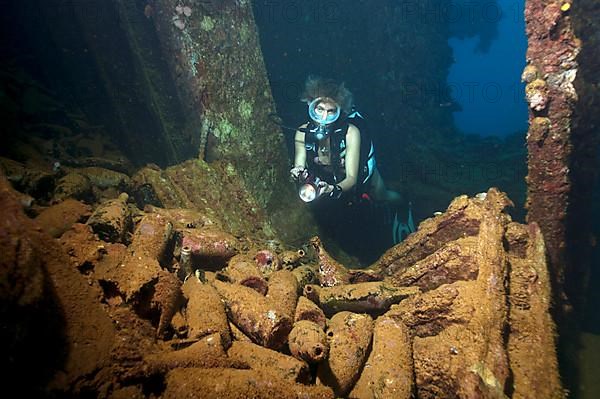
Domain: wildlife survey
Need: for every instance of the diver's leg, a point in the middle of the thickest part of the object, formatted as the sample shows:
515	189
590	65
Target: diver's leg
380	192
391	198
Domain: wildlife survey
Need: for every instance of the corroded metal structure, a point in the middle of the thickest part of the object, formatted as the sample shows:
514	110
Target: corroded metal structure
562	141
549	74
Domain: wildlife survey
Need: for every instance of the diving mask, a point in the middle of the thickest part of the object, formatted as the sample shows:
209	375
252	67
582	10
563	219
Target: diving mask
323	116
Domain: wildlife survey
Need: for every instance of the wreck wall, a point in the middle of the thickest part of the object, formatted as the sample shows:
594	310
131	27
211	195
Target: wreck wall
164	80
585	165
215	60
99	62
563	143
550	72
563	138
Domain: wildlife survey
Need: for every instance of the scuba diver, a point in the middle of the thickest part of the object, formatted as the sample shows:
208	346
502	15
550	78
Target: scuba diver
334	153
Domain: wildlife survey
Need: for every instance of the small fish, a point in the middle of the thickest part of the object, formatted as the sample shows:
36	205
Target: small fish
179	24
148	11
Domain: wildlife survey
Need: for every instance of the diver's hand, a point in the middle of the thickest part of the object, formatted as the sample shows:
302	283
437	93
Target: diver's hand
298	173
333	191
324	187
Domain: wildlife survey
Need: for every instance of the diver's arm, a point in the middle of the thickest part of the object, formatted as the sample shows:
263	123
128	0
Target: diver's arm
300	149
352	158
298	171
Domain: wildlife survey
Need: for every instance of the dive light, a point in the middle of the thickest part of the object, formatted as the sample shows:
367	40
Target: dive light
309	189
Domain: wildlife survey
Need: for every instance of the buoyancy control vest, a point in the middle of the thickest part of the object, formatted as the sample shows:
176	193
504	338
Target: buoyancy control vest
335	171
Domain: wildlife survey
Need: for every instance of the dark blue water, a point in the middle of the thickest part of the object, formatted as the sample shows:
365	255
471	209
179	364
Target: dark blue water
485	79
425	75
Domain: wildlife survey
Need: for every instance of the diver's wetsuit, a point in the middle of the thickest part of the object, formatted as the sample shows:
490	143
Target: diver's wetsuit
335	172
354	228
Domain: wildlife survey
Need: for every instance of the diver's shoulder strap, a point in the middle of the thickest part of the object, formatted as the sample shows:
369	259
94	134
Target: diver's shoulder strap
355	114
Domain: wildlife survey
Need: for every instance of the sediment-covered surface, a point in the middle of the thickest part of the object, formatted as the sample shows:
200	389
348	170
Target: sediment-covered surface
459	309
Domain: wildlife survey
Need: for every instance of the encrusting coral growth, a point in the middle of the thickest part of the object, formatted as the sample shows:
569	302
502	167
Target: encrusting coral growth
429	319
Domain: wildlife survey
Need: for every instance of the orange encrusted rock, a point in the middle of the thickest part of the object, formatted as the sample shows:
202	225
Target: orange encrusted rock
205	353
388	372
349	336
269	361
254	315
307	341
112	219
205	312
235	384
371	297
283	292
331	272
243	270
305	274
308	310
